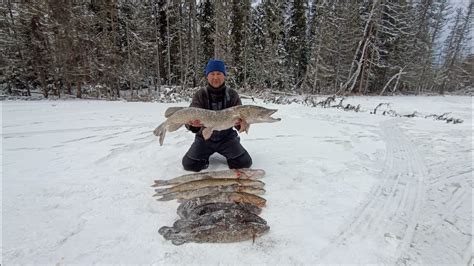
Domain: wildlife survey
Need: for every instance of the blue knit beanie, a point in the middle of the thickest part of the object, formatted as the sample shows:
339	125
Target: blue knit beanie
215	65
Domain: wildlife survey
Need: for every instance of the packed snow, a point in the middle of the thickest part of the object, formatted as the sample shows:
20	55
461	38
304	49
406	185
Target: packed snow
342	187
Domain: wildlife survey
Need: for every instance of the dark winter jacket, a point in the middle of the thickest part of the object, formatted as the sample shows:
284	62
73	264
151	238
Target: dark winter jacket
215	99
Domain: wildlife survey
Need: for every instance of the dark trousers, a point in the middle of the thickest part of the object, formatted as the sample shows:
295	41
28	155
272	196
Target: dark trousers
197	157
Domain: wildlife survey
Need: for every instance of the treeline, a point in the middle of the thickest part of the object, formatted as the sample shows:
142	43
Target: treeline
111	47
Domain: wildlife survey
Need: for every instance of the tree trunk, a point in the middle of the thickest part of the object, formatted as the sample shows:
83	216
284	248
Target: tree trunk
218	41
42	76
316	67
247	21
353	76
168	38
129	67
181	65
79	89
195	40
157	50
69	87
398	75
115	53
14	30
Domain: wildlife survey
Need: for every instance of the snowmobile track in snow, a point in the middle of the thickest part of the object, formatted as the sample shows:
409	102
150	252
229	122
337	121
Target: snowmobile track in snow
394	204
420	208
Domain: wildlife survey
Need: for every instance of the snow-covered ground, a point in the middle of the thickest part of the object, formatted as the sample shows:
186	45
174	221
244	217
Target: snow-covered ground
342	187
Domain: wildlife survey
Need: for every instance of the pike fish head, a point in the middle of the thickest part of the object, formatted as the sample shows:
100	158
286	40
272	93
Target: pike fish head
167	231
250	190
249	198
257	114
251	173
259	229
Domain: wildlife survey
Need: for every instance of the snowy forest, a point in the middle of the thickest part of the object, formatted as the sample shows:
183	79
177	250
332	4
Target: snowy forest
136	49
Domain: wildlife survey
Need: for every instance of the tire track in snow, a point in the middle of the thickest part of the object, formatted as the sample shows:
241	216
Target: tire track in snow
65	130
393	205
125	149
444	234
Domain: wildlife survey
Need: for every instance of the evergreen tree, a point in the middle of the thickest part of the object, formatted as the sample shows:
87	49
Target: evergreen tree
395	52
456	44
101	48
207	27
257	69
240	14
270	57
296	42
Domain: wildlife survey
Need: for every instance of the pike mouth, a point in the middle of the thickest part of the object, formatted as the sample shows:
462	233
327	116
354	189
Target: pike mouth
271	112
272	119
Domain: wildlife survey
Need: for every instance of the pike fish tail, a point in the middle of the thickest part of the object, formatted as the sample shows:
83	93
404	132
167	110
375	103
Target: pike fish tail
160	132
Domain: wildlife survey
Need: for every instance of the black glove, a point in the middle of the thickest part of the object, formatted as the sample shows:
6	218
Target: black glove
192	129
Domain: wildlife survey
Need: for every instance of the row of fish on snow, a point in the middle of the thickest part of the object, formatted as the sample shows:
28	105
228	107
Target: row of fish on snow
215	207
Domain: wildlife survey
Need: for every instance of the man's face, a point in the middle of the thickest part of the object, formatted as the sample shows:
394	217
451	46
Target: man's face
216	79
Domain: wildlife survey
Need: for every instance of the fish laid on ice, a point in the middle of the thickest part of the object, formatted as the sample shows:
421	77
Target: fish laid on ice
221	226
226	197
203	209
188	194
229	215
219	233
216	120
210	182
244	173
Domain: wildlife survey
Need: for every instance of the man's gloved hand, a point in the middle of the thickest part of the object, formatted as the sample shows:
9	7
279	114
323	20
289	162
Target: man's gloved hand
195	123
241	125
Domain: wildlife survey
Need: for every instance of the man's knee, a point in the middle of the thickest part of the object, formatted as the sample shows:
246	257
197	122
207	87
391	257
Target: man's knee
190	164
243	161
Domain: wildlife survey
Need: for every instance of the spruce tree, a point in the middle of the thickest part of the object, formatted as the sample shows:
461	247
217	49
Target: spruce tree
207	26
296	42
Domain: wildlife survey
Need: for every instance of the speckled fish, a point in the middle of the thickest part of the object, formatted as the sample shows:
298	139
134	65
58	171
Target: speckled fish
225	197
196	212
217	233
171	110
210	182
215	120
244	173
230	215
188	194
225	221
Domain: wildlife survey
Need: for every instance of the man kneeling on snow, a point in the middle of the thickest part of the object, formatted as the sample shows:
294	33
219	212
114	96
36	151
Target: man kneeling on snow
216	96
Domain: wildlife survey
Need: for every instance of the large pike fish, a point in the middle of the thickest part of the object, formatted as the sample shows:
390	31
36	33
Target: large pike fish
215	120
197	184
244	173
189	194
